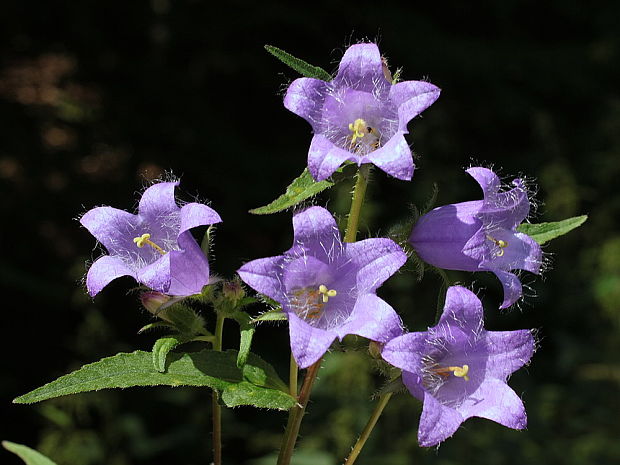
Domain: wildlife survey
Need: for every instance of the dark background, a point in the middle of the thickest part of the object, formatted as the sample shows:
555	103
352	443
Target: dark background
97	98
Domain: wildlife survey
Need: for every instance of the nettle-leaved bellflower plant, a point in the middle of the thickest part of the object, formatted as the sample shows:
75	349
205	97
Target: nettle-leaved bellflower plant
155	246
459	370
361	115
481	235
327	288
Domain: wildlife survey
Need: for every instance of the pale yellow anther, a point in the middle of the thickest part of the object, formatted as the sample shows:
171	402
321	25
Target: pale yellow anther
145	238
500	243
327	293
359	129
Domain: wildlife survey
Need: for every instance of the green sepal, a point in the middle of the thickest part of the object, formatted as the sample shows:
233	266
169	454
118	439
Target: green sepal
184	319
163	346
275	314
299	65
257	383
395	386
156	325
544	232
28	455
300	189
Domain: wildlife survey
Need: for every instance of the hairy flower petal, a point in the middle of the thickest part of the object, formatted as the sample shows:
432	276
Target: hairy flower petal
103	271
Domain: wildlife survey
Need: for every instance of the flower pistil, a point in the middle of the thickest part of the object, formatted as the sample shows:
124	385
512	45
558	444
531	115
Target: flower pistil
145	238
499	243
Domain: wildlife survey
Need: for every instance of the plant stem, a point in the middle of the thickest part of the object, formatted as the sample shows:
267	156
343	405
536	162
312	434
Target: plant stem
215	406
296	414
359	191
372	421
292	376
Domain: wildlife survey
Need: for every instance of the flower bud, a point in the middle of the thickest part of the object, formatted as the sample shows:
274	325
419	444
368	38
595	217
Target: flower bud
233	291
153	301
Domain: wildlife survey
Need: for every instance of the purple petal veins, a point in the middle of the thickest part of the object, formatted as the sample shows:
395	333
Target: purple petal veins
481	235
459	370
326	287
359	116
153	246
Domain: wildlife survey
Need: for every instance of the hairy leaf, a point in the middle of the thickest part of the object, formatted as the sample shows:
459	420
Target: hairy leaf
247	333
299	65
162	347
300	189
544	232
257	383
271	315
28	455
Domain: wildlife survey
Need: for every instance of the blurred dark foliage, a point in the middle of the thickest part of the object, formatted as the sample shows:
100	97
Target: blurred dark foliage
98	98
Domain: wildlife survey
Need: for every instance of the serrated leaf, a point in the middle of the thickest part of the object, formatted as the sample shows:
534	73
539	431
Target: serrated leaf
208	368
300	189
162	347
245	340
184	319
544	232
28	455
299	65
272	315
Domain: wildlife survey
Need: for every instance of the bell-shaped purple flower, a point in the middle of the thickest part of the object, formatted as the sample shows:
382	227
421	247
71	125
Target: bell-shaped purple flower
459	370
481	235
360	115
328	288
155	247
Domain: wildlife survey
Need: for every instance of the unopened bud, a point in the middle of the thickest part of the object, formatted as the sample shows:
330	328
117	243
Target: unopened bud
386	69
153	301
374	349
233	291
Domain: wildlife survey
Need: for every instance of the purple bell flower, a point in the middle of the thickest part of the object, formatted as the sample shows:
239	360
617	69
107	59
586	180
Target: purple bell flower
360	115
328	288
155	247
481	235
459	370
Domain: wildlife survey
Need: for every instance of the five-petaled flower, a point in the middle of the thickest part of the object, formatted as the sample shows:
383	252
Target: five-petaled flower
359	116
459	370
328	288
481	235
155	247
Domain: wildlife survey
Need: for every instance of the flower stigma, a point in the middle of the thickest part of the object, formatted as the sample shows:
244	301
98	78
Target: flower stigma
327	293
145	238
500	243
459	372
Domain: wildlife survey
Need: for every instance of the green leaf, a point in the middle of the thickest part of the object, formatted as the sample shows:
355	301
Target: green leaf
544	232
300	189
155	325
184	319
272	315
299	65
28	455
162	347
257	383
247	332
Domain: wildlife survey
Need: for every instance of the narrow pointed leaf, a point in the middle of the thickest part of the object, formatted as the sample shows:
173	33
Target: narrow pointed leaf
162	347
544	232
300	189
299	65
28	455
272	315
257	383
247	333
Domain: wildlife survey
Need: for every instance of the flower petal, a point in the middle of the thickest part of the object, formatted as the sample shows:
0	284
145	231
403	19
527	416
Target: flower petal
308	343
508	351
496	401
506	209
488	180
157	274
304	97
189	268
412	98
112	227
462	309
512	287
373	319
104	270
265	276
304	271
376	260
196	214
315	229
394	157
521	252
437	423
157	201
324	157
405	352
361	67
